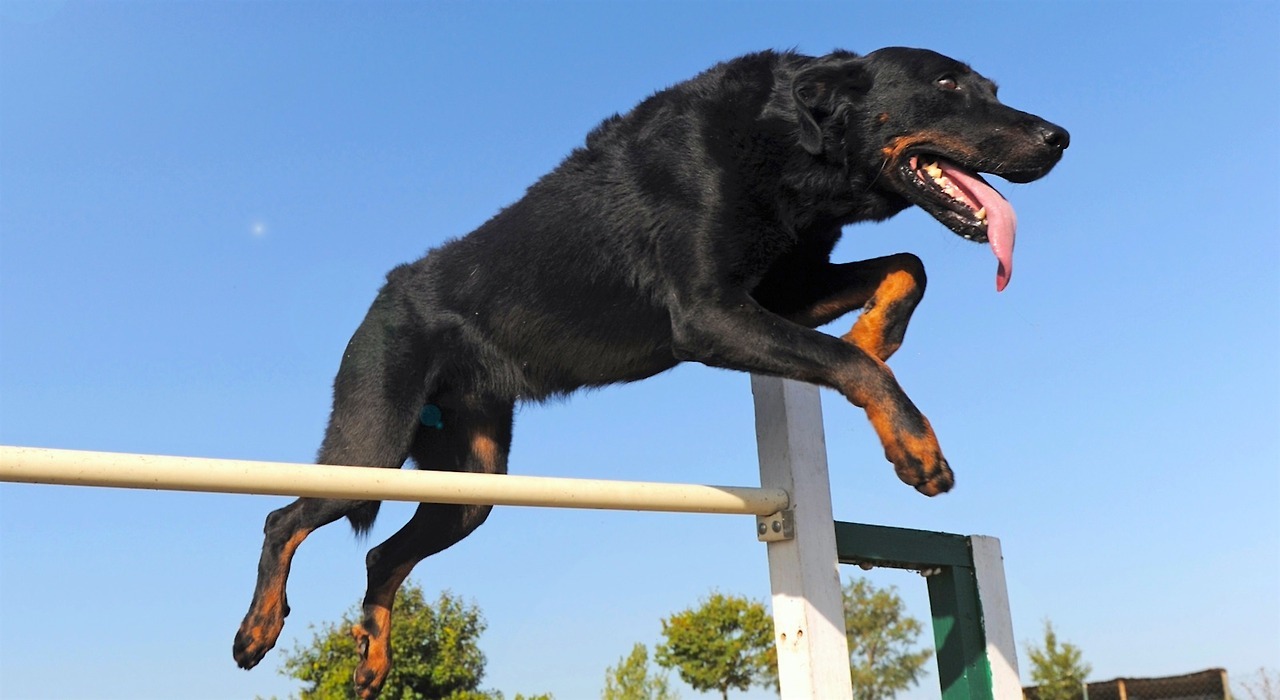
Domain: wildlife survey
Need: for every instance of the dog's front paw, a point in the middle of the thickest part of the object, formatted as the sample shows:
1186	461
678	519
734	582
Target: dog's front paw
930	475
909	443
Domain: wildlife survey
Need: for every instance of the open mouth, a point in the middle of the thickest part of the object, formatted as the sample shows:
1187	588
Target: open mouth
964	203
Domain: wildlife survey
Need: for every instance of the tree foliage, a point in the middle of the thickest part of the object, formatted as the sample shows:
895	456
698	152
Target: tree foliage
434	645
881	637
631	680
1058	670
725	643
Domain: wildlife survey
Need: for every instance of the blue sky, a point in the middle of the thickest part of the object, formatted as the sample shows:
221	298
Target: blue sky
198	201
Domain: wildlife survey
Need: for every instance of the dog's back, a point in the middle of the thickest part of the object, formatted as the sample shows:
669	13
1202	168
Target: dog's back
569	286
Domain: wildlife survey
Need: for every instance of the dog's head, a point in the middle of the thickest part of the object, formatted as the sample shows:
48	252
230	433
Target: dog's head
921	127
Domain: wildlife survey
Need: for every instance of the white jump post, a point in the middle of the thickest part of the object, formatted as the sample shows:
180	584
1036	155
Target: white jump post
808	611
997	621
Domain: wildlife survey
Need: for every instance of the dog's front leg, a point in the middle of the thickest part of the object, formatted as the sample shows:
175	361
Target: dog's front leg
887	290
735	332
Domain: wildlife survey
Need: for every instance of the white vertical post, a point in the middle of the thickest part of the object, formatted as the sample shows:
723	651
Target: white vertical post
997	622
808	615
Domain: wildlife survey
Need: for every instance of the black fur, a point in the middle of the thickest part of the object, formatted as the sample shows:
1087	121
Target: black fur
698	226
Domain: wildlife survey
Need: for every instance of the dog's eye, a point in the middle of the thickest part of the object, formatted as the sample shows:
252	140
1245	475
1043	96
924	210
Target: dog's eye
947	82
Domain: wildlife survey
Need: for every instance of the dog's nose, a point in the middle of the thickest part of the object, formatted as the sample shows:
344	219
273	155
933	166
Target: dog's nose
1054	136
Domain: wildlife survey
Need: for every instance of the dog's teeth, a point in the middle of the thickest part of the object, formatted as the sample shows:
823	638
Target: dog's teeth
933	170
981	214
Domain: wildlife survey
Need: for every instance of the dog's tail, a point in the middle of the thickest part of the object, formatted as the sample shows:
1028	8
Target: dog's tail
396	449
362	517
426	416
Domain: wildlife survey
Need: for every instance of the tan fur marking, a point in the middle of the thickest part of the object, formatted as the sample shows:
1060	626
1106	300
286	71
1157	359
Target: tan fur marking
273	594
899	447
375	652
265	620
839	306
868	332
946	142
485	449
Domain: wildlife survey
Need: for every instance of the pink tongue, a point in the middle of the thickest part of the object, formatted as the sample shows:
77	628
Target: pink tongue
1002	223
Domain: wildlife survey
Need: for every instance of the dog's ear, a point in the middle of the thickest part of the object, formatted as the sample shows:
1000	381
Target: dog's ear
820	91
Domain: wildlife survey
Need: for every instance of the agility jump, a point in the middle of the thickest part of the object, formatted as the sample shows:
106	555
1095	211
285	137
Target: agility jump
972	628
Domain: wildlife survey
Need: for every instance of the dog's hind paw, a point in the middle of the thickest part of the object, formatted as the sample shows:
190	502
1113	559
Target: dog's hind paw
257	635
375	661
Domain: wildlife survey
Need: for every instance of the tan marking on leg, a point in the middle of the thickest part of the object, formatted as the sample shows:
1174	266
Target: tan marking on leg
916	456
373	635
273	595
836	307
373	643
917	459
870	329
265	620
485	449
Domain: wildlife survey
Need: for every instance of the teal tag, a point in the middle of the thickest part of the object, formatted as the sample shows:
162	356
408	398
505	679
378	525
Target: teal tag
431	417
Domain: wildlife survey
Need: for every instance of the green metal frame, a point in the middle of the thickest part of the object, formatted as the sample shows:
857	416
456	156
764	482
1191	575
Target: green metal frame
964	671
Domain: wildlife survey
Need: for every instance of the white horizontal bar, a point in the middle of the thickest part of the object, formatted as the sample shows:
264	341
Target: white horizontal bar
77	468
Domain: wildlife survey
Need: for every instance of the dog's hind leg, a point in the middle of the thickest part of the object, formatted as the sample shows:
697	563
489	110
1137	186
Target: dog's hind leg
474	439
380	389
286	528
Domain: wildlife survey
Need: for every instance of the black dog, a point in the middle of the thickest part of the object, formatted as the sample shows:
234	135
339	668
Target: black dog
698	226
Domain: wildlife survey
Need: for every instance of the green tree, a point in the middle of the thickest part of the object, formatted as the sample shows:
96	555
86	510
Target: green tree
1058	670
881	637
435	647
726	642
630	679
